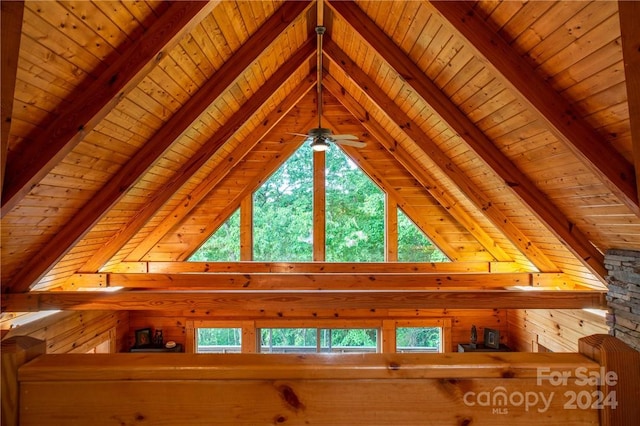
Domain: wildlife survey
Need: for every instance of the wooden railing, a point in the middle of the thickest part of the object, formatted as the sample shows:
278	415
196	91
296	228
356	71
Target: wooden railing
336	389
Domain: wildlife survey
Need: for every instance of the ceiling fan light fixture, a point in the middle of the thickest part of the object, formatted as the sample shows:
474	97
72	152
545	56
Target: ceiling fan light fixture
319	144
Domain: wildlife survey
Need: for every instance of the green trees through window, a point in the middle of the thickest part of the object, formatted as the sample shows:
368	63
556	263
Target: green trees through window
283	212
354	212
283	218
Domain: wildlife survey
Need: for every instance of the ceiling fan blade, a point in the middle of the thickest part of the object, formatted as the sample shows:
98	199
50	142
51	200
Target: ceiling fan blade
298	134
356	144
344	137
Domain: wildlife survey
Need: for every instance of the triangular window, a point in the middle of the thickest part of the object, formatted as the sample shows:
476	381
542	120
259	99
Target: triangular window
283	212
223	245
413	244
354	212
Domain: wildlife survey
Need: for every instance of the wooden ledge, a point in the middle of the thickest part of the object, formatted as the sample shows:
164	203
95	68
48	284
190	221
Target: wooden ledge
170	366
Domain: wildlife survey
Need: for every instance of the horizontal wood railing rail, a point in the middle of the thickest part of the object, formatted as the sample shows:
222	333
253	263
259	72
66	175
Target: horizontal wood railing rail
354	389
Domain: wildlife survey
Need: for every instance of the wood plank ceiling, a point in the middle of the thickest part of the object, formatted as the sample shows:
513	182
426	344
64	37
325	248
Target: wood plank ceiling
131	130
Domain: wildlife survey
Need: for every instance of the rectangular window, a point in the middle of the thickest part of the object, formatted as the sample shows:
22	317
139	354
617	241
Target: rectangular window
341	340
311	340
418	339
288	340
219	340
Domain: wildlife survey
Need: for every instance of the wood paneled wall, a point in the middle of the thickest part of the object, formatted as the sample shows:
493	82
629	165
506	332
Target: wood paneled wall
541	330
173	324
78	332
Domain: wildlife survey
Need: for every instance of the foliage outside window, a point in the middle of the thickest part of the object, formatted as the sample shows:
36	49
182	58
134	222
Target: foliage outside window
219	340
413	244
354	212
283	218
224	244
418	339
283	212
304	340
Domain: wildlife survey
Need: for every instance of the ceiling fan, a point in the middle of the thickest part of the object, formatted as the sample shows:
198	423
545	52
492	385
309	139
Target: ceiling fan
320	137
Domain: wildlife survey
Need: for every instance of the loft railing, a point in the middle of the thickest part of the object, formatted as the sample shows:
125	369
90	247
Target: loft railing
599	385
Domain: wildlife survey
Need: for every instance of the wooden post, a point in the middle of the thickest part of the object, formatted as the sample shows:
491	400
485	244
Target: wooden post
16	351
616	357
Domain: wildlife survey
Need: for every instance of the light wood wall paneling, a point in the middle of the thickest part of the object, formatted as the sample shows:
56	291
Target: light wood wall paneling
251	50
37	158
556	330
221	203
144	158
72	331
467	186
483	147
375	129
557	112
217	173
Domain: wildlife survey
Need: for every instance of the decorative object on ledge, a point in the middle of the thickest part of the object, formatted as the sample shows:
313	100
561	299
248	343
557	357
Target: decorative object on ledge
177	347
492	338
482	348
474	337
157	338
143	337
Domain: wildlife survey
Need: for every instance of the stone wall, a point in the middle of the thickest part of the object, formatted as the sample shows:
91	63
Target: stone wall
623	297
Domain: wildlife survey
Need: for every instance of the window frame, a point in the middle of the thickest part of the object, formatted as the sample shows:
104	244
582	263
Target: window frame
386	330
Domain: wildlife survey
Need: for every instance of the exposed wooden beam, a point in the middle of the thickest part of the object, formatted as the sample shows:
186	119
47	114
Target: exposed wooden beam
217	174
131	172
35	159
319	206
559	115
391	230
195	162
375	175
629	13
246	228
255	301
11	13
514	179
314	267
321	281
402	156
437	156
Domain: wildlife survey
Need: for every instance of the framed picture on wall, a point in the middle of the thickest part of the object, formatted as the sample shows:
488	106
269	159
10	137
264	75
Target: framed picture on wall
491	338
143	337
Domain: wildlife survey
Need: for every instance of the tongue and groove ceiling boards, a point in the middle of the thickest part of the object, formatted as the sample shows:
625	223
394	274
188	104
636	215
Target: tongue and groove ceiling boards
132	130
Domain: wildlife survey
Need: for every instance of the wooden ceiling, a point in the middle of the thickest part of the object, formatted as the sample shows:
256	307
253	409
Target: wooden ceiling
131	130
